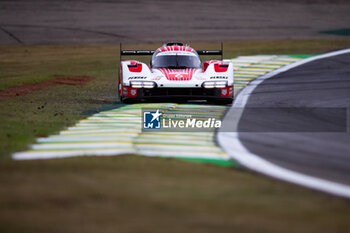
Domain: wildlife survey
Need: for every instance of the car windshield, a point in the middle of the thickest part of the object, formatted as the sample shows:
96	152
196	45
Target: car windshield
176	61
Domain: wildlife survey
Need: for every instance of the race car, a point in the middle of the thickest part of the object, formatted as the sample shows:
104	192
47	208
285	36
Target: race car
175	71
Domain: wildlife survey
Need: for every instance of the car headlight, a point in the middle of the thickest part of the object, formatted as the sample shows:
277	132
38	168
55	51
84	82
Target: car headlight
142	84
215	84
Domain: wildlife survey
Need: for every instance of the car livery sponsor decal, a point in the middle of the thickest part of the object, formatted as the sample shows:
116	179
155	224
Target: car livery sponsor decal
224	92
137	77
227	91
219	77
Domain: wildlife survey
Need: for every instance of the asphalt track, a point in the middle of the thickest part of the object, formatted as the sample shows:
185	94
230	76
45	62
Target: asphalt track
41	22
319	84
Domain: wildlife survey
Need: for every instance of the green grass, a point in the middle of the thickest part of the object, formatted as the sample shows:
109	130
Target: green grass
22	119
136	194
129	193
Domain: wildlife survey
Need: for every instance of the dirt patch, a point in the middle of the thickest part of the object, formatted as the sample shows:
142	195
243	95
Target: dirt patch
75	80
30	87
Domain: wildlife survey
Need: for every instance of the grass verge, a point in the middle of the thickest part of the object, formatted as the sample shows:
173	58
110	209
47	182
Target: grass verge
138	194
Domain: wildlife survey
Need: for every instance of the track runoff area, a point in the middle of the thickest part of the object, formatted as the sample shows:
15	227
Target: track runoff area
121	130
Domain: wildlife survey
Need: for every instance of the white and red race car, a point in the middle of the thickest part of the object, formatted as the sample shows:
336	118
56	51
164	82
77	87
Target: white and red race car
176	72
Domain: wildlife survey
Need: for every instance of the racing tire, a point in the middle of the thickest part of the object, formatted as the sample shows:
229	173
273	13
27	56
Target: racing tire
222	101
129	101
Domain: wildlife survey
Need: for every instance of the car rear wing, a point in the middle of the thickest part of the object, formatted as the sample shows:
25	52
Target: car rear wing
151	52
209	52
136	52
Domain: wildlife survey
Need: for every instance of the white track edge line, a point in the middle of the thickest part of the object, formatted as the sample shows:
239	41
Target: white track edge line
229	142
